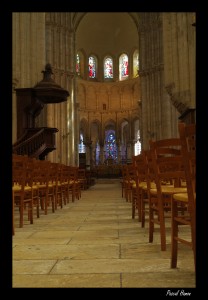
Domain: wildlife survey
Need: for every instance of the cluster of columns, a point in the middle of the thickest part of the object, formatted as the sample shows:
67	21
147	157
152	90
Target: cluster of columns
156	110
167	71
60	52
28	55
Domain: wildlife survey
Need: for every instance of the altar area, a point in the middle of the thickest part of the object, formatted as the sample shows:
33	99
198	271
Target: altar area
107	171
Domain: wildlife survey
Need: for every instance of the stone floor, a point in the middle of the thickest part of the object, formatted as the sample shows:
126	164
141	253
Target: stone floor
94	242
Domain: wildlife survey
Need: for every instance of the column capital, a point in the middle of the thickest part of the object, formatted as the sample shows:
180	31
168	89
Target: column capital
14	83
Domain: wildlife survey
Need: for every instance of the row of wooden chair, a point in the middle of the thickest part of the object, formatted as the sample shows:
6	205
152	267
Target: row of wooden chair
161	181
40	184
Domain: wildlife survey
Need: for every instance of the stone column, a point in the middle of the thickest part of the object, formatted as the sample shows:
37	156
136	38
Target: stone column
118	151
156	114
73	145
28	53
191	36
130	150
102	158
14	111
49	59
88	145
93	155
179	59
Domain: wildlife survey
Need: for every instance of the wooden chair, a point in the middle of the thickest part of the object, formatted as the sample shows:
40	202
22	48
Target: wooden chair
74	184
65	184
166	164
147	185
82	179
129	181
31	163
138	193
58	183
123	179
46	181
22	191
187	135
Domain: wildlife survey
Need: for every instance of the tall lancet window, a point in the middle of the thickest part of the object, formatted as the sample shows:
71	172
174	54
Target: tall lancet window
78	64
137	146
110	145
123	67
136	63
81	144
92	67
108	68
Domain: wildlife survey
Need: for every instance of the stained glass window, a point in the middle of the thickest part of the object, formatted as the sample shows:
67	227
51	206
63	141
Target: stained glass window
136	63
137	146
92	67
78	65
110	145
81	145
108	68
123	67
97	154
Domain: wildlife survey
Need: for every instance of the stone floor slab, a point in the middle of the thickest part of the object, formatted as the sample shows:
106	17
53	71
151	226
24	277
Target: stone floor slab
59	252
94	242
68	281
32	266
159	280
115	266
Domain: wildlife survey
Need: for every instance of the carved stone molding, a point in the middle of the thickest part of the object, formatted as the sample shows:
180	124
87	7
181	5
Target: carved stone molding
154	69
62	72
14	84
70	75
175	99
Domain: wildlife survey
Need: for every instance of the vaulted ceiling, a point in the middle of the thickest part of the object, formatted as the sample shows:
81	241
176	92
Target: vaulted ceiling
78	16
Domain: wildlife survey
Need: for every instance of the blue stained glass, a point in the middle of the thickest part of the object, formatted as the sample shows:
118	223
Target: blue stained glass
111	147
81	145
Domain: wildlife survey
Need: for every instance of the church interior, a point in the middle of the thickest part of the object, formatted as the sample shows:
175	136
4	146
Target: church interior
91	93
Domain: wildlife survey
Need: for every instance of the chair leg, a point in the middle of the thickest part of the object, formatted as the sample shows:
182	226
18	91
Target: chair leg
138	202
133	207
13	231
174	235
151	224
162	225
21	210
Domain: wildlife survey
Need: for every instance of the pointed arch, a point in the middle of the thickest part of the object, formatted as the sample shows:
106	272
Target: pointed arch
108	67
135	63
137	136
83	129
123	67
92	67
80	63
95	130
